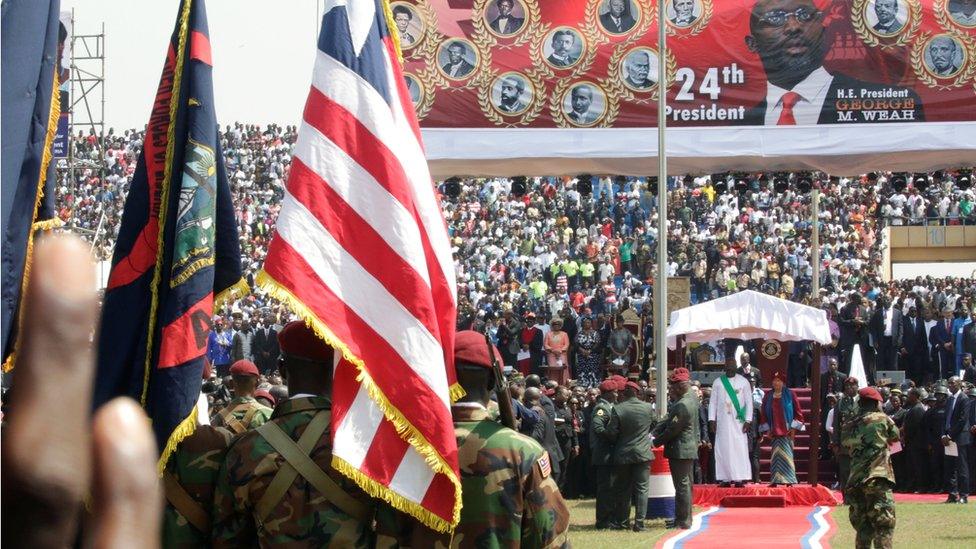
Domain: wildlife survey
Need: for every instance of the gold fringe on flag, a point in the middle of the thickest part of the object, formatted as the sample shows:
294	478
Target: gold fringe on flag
391	26
52	128
403	426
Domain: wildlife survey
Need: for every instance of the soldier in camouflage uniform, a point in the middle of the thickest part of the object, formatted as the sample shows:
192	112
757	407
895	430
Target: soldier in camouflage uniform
510	498
244	412
872	508
322	510
601	452
845	411
188	483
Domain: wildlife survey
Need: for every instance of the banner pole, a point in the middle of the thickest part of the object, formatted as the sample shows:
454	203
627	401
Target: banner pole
661	282
815	245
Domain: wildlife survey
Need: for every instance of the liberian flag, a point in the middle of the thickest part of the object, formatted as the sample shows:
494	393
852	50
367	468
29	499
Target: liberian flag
361	252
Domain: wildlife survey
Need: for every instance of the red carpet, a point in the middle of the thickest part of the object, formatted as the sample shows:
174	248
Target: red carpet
806	527
707	495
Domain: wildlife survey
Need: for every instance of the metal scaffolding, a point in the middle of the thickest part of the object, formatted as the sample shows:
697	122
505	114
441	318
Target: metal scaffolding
87	112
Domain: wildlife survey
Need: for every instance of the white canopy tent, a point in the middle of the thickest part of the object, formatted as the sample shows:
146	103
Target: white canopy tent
749	315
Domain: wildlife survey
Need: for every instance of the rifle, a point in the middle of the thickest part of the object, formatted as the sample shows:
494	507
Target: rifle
505	411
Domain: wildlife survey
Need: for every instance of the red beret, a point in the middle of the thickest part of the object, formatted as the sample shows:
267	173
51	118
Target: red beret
470	348
634	386
852	379
619	381
244	368
262	393
870	393
298	340
679	375
607	385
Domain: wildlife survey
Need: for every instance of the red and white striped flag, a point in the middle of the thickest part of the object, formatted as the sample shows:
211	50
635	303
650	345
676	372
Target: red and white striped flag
361	252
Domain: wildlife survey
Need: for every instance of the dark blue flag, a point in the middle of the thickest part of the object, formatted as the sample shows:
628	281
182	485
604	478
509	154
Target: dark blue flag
177	254
30	30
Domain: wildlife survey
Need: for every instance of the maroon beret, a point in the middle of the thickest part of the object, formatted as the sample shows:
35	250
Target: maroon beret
470	347
244	368
870	393
680	374
262	393
634	386
298	340
779	376
607	385
852	379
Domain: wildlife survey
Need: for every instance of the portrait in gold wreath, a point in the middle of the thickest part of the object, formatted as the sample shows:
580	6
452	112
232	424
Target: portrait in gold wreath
414	87
962	12
682	13
618	16
410	25
885	18
511	94
945	56
505	18
584	104
457	59
563	48
639	69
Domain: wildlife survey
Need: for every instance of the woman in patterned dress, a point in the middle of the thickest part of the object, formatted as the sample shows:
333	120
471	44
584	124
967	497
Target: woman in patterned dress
781	417
587	355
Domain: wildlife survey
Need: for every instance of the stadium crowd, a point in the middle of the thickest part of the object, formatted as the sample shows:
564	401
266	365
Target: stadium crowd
559	270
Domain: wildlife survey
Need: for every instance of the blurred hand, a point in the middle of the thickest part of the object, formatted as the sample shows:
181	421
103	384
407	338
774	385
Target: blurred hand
54	453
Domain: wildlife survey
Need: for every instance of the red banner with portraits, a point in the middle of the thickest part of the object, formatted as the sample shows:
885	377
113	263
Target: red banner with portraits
575	64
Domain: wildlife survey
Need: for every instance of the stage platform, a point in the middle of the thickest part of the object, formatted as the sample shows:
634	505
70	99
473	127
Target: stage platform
707	495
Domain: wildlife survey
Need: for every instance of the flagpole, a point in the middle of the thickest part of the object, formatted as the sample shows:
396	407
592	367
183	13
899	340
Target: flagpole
661	283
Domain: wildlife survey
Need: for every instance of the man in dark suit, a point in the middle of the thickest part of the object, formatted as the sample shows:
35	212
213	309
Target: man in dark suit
886	334
506	23
832	381
618	20
790	38
639	71
940	338
887	13
562	46
915	442
914	347
957	427
457	66
853	321
684	13
264	346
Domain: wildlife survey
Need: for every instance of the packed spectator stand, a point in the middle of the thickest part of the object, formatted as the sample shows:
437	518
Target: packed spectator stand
560	269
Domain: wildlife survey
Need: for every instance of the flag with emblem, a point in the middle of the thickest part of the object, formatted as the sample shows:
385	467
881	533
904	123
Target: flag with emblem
177	255
360	251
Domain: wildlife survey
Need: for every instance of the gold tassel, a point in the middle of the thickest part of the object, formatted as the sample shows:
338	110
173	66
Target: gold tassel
185	428
236	290
403	427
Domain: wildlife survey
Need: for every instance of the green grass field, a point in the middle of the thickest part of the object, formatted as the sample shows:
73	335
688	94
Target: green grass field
923	525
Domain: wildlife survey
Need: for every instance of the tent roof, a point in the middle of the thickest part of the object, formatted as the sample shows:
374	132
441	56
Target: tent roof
749	315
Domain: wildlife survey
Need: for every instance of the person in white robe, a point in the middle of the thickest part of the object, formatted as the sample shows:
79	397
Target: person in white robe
730	421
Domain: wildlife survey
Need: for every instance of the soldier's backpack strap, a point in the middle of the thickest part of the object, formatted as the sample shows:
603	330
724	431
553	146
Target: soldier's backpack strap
248	416
183	502
231	422
298	462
